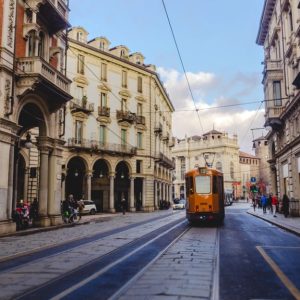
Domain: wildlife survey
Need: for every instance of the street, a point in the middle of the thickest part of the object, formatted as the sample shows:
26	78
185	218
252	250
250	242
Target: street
154	256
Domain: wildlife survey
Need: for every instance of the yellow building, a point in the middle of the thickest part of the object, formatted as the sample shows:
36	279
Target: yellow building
118	127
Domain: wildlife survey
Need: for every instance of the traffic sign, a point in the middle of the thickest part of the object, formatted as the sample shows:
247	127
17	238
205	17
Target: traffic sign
253	179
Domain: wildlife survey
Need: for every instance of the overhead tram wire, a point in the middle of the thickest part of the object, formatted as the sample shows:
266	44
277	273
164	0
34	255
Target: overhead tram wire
182	64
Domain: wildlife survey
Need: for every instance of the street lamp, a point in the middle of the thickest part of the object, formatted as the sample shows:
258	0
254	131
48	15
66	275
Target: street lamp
28	142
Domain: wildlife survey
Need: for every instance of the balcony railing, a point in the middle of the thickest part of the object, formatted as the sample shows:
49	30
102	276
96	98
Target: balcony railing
93	145
140	120
273	65
158	128
28	66
164	160
81	105
125	116
272	117
103	111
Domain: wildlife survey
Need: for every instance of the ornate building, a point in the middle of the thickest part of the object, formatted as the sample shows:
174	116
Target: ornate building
118	127
33	90
279	34
222	151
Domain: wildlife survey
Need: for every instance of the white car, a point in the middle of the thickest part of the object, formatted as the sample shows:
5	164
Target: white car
89	207
180	204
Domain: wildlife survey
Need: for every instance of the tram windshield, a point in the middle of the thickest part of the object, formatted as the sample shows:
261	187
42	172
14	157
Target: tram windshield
203	185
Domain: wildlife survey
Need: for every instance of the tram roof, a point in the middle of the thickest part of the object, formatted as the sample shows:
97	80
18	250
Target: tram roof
207	171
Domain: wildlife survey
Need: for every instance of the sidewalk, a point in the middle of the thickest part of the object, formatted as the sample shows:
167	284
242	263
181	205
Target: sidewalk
291	224
86	219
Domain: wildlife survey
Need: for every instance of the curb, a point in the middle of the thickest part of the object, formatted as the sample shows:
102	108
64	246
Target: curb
275	223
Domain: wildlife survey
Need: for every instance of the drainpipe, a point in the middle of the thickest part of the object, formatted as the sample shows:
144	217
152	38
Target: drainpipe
12	95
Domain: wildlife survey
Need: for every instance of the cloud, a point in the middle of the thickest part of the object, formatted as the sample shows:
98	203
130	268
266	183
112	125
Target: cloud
236	119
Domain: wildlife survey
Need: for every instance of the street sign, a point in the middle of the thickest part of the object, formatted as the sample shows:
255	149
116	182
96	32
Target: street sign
253	179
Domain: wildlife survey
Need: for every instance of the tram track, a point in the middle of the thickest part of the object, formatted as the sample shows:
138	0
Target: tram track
108	273
19	259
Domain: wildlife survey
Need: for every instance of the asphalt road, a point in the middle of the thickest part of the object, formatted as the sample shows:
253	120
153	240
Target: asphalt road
257	260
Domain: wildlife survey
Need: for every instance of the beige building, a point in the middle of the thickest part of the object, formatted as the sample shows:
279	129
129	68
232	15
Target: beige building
118	127
33	90
216	147
279	35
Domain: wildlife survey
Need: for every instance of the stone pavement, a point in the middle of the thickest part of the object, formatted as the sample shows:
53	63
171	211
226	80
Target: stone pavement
291	224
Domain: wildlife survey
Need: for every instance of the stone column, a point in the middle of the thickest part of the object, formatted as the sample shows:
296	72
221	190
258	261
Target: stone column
26	175
144	194
43	186
170	194
132	207
111	193
63	185
89	184
155	194
11	202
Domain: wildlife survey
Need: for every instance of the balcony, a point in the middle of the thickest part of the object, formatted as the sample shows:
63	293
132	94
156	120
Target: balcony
103	111
164	160
125	116
140	120
55	14
158	128
99	147
272	117
273	65
35	72
82	105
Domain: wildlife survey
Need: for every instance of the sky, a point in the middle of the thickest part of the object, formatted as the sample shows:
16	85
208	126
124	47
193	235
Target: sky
216	40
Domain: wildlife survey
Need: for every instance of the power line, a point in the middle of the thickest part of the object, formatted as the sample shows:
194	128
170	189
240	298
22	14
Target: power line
182	64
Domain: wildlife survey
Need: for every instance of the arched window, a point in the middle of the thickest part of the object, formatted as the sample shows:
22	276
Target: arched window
122	53
79	36
219	166
41	45
31	43
102	45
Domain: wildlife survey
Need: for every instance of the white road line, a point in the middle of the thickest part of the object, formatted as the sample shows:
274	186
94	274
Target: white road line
95	275
216	282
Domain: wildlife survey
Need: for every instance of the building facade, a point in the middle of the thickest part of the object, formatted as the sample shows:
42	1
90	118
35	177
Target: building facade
118	127
34	89
279	34
217	148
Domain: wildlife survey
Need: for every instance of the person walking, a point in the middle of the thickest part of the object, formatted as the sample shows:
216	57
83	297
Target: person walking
274	204
254	202
264	202
123	205
285	205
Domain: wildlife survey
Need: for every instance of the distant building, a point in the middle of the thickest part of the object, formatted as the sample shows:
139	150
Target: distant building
279	35
118	127
218	148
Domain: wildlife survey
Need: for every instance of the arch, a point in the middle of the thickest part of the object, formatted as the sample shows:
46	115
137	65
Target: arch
33	106
81	157
108	163
126	163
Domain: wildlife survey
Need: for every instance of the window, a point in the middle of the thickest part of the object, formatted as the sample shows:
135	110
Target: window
277	93
123	104
78	132
182	168
79	36
189	186
140	84
104	72
41	45
103	100
215	185
139	140
79	92
139	110
31	43
102	134
80	64
291	19
139	166
203	184
102	45
124	79
123	137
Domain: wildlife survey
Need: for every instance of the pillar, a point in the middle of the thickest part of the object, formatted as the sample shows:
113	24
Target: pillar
132	208
63	185
144	194
89	185
111	193
155	194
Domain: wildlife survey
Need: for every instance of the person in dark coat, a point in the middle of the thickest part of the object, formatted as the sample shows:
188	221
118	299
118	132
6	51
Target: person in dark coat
285	205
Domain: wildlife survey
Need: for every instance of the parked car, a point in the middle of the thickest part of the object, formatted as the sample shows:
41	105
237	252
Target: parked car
180	204
89	207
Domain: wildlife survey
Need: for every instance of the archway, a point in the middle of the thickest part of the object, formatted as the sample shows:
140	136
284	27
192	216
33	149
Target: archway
76	171
121	184
100	185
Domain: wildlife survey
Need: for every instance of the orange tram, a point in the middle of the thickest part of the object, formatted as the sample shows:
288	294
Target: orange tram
205	195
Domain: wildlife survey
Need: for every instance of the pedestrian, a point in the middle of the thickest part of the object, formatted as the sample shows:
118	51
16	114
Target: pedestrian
264	202
123	205
285	205
254	202
80	207
34	209
274	204
270	202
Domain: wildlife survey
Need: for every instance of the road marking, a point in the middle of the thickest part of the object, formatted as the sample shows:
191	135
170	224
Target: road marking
285	280
216	283
100	272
